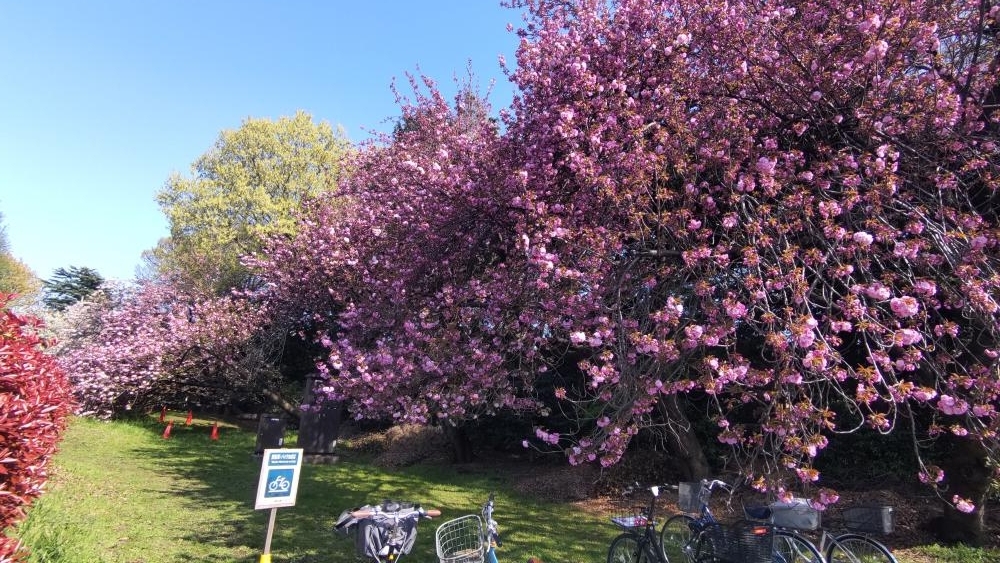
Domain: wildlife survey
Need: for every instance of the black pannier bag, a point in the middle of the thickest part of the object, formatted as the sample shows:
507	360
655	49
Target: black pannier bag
374	533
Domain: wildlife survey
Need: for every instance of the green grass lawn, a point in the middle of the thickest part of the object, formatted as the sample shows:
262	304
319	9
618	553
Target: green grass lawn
119	493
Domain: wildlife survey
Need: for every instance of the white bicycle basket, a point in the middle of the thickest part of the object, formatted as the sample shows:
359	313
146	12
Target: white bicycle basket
461	540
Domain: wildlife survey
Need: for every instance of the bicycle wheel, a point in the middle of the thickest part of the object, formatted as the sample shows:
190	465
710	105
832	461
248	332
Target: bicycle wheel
855	548
627	548
675	537
790	547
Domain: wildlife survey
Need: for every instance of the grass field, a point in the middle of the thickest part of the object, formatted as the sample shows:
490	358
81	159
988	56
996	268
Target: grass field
120	493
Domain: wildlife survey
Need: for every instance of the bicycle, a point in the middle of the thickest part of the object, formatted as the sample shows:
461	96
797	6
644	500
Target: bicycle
384	531
707	540
681	535
853	546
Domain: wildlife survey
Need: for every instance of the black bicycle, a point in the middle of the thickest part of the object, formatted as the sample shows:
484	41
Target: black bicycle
695	535
707	541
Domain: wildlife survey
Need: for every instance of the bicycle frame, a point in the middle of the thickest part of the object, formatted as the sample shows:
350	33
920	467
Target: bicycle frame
492	533
639	529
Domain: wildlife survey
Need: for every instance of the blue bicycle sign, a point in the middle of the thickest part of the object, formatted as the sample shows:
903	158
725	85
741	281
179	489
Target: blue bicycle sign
279	478
279	483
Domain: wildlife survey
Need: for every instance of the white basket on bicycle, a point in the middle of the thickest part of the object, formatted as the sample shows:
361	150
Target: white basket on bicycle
461	540
632	510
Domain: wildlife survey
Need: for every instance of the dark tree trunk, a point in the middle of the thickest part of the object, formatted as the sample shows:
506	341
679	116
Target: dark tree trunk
461	444
967	475
682	440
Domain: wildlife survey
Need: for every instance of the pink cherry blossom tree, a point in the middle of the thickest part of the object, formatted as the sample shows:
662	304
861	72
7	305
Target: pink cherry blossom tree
786	210
784	206
158	343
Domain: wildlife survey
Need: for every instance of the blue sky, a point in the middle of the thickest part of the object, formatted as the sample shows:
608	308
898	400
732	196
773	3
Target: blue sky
100	101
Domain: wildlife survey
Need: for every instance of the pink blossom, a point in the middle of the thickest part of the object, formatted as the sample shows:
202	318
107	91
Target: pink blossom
828	496
963	504
805	339
878	292
933	474
736	310
904	306
983	410
815	360
925	288
729	437
950	405
876	51
863	239
766	165
906	337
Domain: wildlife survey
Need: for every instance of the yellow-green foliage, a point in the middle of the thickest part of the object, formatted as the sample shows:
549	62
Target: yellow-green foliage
16	277
244	189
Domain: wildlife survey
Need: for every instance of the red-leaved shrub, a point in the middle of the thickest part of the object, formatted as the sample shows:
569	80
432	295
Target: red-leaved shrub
35	400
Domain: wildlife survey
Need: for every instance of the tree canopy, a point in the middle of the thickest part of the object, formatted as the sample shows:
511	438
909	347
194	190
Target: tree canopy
786	210
16	278
69	286
159	343
246	188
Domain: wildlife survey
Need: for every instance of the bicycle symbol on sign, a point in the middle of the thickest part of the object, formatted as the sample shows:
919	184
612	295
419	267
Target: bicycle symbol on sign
279	485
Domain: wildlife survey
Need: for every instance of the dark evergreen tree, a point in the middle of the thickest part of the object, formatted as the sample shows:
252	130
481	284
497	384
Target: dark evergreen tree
69	286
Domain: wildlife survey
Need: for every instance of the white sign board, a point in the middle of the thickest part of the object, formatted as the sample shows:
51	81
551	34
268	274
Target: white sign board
279	478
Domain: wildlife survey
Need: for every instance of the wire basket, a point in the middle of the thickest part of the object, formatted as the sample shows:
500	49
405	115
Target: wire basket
797	514
869	519
632	510
689	496
742	542
461	540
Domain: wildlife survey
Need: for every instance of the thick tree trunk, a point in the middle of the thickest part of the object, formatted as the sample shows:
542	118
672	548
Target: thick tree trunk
968	476
461	444
682	440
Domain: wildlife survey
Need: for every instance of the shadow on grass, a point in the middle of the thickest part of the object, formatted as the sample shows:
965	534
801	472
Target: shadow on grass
221	477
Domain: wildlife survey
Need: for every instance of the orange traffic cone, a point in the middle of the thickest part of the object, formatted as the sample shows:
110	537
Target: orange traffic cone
189	418
215	431
166	431
163	413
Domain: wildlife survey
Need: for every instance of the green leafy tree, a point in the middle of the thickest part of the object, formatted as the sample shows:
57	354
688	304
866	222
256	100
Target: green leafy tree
245	189
15	276
70	286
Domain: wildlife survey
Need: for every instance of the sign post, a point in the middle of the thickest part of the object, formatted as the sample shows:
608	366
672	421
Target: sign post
277	486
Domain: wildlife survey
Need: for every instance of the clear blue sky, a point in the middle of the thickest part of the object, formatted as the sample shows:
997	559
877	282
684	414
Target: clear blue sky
101	100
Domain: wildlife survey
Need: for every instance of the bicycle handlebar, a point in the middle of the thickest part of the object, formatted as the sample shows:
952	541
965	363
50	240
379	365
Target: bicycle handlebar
403	513
717	483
